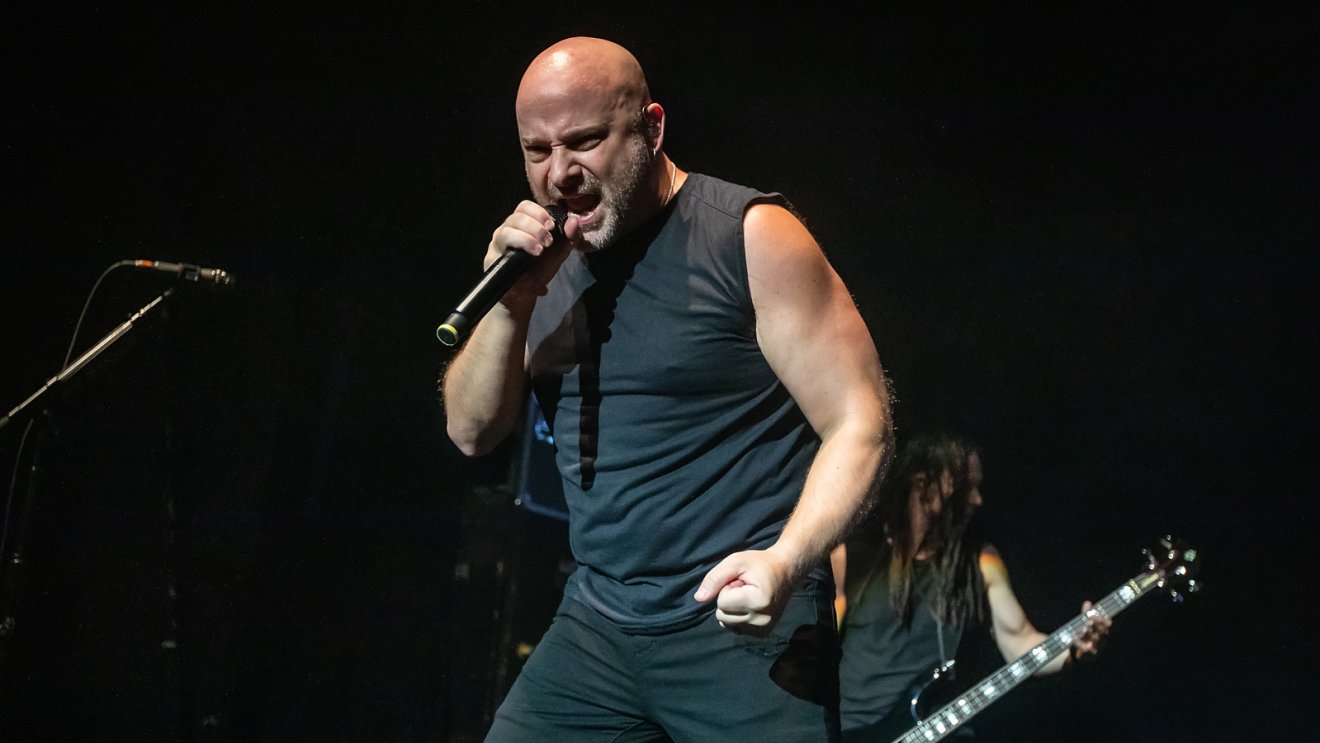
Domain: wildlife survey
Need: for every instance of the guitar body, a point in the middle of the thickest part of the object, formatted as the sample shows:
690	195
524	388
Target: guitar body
936	690
932	691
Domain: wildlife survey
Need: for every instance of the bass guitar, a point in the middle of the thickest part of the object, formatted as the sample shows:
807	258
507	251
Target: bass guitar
1172	566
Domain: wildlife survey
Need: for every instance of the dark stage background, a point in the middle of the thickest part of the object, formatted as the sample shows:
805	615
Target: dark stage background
1089	240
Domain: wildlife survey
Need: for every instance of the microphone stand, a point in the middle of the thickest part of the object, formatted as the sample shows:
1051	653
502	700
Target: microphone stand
11	564
87	356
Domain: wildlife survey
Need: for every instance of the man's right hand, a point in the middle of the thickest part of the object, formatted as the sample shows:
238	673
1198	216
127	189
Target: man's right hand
531	229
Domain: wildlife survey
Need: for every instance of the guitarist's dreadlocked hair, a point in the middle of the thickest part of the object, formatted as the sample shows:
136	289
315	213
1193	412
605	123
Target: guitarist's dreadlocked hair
955	557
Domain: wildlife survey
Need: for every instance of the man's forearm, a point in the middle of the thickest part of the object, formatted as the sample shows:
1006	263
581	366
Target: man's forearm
842	480
485	384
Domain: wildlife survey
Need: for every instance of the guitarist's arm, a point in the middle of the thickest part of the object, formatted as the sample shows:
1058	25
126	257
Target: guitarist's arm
1014	633
839	564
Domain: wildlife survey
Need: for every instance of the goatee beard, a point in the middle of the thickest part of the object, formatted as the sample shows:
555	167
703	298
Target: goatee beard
618	201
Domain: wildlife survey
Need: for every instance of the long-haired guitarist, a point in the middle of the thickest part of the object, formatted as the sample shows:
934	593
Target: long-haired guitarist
915	581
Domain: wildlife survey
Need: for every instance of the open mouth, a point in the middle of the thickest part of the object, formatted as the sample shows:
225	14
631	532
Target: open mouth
583	206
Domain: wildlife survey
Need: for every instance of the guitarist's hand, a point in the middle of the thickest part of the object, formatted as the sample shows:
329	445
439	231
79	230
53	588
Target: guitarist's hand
750	589
1087	644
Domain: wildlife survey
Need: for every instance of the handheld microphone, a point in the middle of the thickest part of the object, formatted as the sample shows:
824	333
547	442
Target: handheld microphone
493	284
189	272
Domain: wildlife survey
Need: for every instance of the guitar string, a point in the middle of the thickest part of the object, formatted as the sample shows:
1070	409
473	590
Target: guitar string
1004	679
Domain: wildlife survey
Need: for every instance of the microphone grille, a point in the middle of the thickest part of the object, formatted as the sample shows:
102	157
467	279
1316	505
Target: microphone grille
559	214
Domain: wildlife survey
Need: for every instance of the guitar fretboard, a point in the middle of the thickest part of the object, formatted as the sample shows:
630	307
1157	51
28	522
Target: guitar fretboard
952	715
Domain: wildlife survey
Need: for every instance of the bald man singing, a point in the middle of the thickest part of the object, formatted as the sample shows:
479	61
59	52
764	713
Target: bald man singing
720	417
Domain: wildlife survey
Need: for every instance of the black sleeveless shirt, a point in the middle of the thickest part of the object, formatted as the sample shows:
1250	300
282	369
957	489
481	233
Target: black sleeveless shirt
676	442
883	657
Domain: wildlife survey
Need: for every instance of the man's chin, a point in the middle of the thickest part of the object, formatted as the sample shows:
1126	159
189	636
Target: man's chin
592	246
598	234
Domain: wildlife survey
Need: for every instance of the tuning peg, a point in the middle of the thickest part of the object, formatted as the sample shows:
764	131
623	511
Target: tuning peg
1150	558
1177	597
1193	586
1167	542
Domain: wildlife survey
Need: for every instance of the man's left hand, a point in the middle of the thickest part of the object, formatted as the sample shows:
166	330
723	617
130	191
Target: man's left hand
1087	644
750	589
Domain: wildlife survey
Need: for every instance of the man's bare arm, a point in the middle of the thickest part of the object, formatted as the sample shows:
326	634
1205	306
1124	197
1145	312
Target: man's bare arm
486	383
815	340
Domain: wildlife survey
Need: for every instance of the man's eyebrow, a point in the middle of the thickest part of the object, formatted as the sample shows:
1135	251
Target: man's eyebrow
587	130
578	132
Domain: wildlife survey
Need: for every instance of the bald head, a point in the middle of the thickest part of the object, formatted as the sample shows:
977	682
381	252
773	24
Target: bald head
585	68
592	138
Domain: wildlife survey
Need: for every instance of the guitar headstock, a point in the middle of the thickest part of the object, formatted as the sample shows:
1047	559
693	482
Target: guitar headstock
1176	565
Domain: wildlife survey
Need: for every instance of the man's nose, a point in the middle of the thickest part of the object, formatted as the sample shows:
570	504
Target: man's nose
565	171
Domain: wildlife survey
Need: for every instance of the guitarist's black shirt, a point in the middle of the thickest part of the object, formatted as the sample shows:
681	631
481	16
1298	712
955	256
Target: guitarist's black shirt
883	657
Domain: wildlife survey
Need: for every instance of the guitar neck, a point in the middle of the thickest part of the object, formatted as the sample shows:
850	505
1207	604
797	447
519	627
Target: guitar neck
954	714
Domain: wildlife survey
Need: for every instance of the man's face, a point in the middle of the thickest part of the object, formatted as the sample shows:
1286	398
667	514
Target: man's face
974	479
927	498
585	150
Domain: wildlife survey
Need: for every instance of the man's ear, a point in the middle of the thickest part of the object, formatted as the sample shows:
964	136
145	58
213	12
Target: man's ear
655	126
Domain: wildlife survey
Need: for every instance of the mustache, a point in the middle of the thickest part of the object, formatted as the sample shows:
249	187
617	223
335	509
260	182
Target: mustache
589	187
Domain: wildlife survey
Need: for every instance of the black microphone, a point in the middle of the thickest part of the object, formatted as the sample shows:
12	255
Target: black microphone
189	272
493	284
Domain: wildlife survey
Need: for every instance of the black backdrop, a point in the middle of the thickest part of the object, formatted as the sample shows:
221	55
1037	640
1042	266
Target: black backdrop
1087	239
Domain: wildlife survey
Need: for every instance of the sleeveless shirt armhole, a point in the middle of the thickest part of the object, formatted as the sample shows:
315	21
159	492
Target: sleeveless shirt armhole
777	199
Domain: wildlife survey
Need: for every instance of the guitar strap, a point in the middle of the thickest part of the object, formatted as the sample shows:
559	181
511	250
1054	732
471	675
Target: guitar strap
939	636
948	646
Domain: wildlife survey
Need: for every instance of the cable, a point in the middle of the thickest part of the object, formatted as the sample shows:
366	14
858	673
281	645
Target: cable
78	325
13	486
22	442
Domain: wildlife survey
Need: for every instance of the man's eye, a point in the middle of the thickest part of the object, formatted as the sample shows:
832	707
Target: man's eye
537	154
586	144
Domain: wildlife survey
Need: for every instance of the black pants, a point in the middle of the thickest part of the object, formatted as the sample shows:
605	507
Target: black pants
589	681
